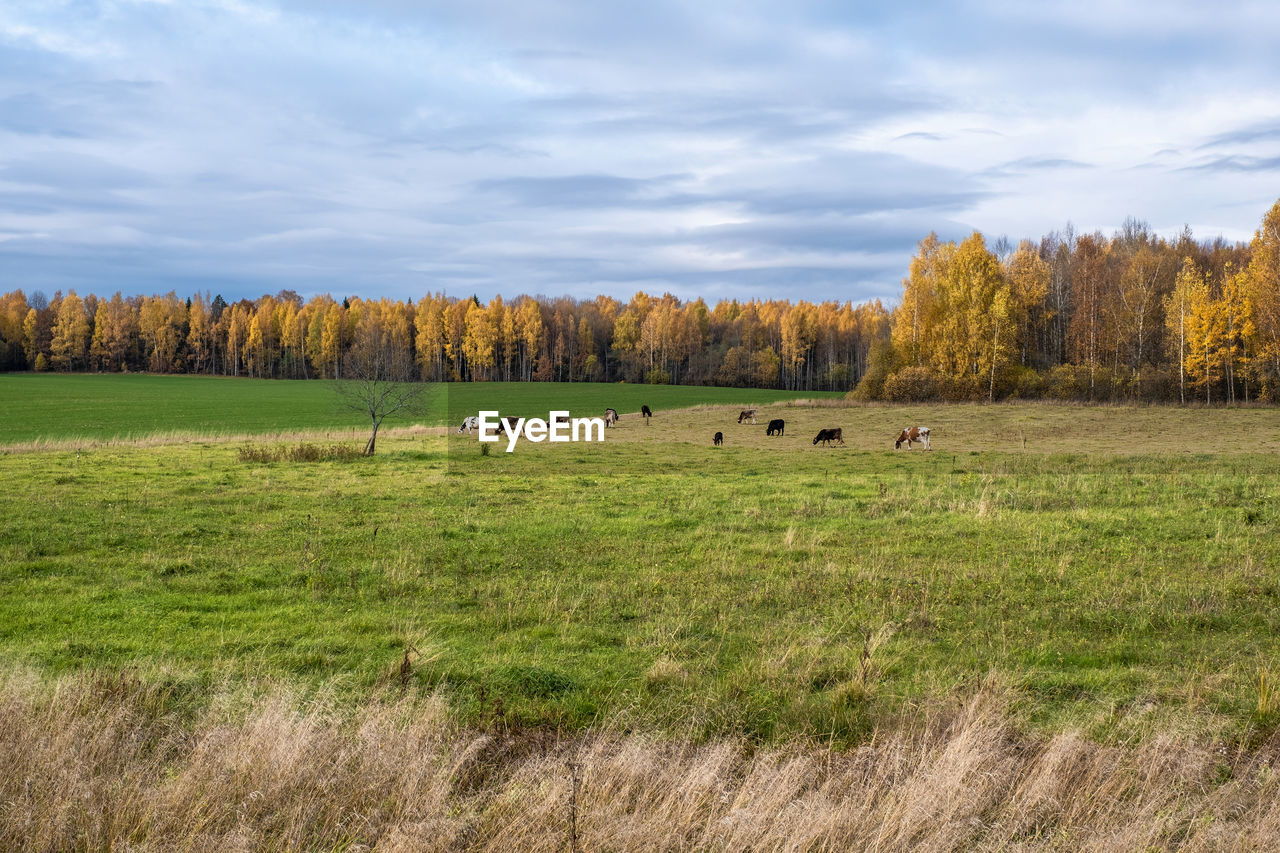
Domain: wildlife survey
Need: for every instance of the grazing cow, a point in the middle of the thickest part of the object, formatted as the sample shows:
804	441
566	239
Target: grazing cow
910	434
747	413
826	436
646	412
610	417
718	440
469	423
775	427
508	424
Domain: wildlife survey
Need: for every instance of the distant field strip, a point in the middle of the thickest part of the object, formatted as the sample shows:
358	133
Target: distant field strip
83	406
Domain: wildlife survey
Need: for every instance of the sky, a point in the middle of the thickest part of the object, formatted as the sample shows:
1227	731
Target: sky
708	149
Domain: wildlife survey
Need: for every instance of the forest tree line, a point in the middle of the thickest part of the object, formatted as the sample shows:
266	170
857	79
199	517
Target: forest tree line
1130	316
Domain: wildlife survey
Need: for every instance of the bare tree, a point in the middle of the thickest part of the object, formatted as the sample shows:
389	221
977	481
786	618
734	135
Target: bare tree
379	380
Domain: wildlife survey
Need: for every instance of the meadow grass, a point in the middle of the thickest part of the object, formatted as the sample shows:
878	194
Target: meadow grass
766	590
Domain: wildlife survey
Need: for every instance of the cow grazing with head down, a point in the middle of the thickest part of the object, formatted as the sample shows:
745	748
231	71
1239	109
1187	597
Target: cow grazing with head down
775	427
745	414
718	440
508	424
826	436
646	412
610	417
910	434
469	423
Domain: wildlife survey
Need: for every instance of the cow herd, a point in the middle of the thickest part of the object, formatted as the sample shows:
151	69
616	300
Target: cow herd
777	427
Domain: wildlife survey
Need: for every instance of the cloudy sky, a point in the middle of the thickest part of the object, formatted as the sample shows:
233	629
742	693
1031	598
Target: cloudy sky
714	149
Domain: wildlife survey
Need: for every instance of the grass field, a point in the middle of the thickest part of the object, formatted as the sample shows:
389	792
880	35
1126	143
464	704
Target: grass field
1058	630
55	407
766	589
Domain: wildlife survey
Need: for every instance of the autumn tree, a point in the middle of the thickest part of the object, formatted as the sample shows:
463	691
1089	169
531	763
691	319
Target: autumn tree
1178	307
1028	276
115	328
915	321
13	311
69	345
1263	294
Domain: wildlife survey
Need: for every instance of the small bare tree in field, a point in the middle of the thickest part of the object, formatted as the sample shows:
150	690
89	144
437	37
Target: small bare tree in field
379	380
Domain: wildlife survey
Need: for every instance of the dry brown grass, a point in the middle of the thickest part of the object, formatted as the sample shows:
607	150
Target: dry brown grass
301	452
176	437
105	762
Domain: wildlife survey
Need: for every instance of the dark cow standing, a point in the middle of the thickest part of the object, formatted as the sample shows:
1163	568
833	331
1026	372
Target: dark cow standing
646	412
826	436
775	427
718	440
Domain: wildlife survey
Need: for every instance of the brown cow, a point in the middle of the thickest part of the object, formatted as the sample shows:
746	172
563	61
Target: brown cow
610	417
745	414
910	434
826	436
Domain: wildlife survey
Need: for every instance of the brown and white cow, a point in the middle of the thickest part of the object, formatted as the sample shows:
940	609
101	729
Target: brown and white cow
910	434
826	436
745	414
610	417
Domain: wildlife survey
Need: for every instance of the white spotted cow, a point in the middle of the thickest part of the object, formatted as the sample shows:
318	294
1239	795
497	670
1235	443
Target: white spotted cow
469	423
910	434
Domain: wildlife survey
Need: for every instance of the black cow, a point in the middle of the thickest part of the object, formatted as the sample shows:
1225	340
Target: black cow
718	440
775	427
646	412
826	436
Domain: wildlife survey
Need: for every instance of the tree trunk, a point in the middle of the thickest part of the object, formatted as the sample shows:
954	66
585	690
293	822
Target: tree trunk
373	439
995	340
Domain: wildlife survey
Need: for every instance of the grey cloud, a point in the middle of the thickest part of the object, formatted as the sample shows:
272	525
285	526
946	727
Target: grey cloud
57	169
1236	163
856	202
579	191
1262	133
1035	164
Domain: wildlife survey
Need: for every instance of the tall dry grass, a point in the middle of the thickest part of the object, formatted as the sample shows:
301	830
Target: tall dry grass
96	763
178	437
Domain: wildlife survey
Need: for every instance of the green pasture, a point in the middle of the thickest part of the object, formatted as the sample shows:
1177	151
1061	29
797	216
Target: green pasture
767	587
44	406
